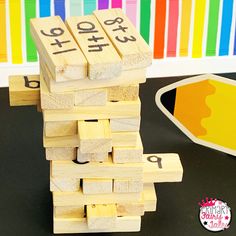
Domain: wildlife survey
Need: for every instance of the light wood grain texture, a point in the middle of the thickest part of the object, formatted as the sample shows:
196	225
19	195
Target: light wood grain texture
79	225
60	128
97	186
61	142
101	216
123	93
94	136
130	209
58	48
124	139
149	197
24	90
64	184
60	153
127	185
103	60
69	212
126	78
120	109
97	157
167	168
128	154
78	198
125	124
55	100
134	51
96	170
91	97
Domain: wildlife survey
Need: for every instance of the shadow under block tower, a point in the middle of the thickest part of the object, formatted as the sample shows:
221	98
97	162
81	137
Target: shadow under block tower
88	92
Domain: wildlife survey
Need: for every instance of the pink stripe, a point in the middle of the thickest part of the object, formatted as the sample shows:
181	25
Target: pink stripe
172	28
116	4
131	10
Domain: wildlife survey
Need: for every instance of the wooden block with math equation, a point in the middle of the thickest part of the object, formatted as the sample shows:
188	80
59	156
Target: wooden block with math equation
58	49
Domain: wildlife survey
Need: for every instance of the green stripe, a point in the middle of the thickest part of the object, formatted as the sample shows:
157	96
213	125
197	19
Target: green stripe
30	12
145	16
212	27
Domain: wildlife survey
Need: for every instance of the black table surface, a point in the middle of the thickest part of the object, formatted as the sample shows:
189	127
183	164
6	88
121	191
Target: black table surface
25	200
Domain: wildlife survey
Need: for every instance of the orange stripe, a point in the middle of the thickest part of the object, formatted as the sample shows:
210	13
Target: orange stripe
3	37
159	36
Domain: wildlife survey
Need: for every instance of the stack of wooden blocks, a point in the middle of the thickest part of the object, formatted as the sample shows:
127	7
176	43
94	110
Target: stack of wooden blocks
90	71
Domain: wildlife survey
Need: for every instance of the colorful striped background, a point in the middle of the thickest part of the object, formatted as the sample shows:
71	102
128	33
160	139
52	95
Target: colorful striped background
173	28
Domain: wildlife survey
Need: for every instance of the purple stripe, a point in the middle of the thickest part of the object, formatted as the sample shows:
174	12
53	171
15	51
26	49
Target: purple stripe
103	4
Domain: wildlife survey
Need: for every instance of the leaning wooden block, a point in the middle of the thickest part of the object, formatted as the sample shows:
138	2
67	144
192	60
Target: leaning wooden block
127	185
128	154
55	100
101	216
122	109
160	168
96	170
79	225
126	77
91	97
125	124
124	139
69	212
123	93
94	136
24	90
60	128
60	153
84	157
97	186
64	184
103	60
134	51
78	198
58	49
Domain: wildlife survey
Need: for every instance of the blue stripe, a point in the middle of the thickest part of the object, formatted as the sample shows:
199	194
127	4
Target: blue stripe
226	27
44	8
59	8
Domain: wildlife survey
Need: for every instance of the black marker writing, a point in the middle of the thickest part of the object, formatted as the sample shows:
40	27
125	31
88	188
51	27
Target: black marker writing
155	159
53	32
86	27
33	84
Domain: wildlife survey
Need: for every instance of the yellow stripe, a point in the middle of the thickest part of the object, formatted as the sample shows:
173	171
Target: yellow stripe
15	30
3	38
199	15
185	27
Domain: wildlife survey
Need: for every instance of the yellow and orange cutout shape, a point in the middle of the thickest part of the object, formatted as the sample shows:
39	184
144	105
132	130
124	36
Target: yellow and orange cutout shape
204	108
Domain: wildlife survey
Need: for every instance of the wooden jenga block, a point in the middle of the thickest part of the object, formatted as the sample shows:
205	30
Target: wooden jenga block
130	209
60	154
91	97
61	142
101	216
103	60
125	124
134	51
84	157
78	198
55	100
58	48
128	154
94	136
39	108
24	90
127	186
60	128
126	77
79	225
124	139
64	184
97	186
149	197
96	170
69	212
123	93
120	109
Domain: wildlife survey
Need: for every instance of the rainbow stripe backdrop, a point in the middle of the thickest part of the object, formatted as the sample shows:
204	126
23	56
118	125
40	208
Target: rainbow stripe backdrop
173	28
